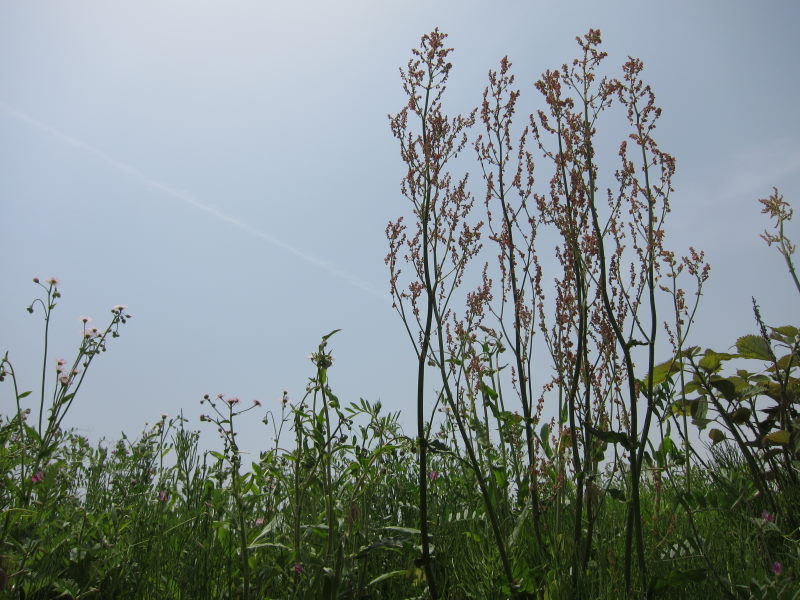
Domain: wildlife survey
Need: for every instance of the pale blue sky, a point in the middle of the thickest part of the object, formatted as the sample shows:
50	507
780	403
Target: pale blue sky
226	170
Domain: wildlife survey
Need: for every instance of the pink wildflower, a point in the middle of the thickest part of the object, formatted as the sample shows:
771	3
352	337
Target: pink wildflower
64	380
52	281
298	568
38	477
259	521
163	496
232	401
85	319
256	403
768	517
776	568
433	475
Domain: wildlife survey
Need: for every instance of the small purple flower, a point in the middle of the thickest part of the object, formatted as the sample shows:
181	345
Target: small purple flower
776	568
259	521
768	517
298	568
163	496
433	475
37	477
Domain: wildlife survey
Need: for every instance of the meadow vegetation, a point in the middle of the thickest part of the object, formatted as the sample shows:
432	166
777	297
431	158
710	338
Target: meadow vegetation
570	442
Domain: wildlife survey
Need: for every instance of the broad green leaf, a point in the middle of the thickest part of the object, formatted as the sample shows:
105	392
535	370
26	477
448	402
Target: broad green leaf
786	334
697	408
612	437
787	361
662	371
544	437
691	386
700	409
712	361
488	391
753	346
778	438
740	415
725	387
716	436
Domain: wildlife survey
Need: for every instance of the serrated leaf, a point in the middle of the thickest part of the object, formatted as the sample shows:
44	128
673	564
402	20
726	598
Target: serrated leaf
753	346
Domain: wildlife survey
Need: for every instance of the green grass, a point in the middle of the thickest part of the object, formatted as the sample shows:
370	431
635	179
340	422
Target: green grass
115	523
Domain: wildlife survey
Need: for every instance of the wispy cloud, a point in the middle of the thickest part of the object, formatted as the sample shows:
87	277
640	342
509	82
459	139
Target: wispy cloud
192	200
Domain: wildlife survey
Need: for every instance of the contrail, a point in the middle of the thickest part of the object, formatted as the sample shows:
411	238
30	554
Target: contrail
192	200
